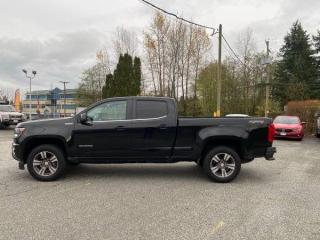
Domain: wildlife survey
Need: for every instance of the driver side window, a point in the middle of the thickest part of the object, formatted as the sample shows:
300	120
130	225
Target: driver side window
115	110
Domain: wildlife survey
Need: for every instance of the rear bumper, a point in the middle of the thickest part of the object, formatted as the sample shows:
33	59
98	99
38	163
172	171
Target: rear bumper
269	153
293	135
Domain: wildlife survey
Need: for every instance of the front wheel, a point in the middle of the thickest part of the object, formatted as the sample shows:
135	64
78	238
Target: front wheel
46	163
222	164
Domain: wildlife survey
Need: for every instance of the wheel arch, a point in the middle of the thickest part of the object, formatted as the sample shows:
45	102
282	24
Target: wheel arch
234	143
36	141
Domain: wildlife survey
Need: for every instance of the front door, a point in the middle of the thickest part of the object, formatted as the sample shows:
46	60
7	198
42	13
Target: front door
106	136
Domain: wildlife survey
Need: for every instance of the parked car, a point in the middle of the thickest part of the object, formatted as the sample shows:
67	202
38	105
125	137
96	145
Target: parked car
9	116
289	127
141	130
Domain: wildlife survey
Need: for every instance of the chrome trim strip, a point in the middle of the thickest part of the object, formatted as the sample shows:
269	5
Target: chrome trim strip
85	146
136	119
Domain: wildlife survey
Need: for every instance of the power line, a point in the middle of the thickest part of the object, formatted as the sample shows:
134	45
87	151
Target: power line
229	53
179	18
235	54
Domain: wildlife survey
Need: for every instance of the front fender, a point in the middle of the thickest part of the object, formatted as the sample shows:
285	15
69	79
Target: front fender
30	142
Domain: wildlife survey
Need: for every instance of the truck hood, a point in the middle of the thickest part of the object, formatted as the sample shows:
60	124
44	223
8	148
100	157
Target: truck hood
47	122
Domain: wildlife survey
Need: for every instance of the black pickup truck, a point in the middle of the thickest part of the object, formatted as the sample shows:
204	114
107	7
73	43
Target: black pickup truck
141	130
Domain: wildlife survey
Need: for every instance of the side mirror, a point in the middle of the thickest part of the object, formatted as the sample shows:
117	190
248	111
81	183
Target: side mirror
84	119
303	123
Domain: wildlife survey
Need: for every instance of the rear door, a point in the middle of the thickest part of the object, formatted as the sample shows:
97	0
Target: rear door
154	128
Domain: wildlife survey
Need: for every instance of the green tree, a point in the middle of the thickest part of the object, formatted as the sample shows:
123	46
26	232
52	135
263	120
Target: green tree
316	40
109	87
296	72
136	81
126	78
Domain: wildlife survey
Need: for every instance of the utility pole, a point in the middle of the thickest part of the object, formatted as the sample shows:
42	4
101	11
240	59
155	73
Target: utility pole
219	74
64	96
266	110
30	95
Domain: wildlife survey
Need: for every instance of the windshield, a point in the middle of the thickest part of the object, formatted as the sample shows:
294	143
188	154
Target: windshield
286	120
7	109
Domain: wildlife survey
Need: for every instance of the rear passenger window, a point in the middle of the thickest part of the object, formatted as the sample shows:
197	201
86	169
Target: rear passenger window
151	109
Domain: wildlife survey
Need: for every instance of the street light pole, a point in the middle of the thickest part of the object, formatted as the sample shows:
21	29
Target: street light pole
64	94
30	78
219	74
266	109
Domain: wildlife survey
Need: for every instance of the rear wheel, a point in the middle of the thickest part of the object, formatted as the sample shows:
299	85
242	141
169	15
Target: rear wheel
46	163
222	164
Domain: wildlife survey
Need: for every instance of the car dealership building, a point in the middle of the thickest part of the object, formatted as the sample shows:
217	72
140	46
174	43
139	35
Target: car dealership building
50	103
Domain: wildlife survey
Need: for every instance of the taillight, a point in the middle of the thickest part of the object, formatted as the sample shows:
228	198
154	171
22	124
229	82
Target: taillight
271	132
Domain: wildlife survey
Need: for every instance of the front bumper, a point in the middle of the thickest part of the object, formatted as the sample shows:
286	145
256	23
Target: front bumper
16	154
11	121
5	121
15	121
269	153
16	151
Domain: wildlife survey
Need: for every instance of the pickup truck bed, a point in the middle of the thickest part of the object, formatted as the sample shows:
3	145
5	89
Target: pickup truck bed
248	135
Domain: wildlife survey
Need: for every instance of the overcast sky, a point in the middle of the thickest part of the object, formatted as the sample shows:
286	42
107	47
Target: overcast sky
60	38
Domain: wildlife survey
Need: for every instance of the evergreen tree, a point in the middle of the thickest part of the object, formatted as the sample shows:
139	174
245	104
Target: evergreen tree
136	83
316	40
296	73
109	87
126	78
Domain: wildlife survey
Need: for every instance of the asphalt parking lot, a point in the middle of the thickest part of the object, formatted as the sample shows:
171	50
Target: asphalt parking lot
269	200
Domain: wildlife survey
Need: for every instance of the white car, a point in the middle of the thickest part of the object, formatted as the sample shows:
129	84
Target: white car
9	116
236	115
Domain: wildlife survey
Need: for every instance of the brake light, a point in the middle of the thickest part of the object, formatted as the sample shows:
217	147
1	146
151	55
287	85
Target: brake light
271	132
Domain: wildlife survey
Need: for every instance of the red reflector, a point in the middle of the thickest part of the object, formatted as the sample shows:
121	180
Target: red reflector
271	132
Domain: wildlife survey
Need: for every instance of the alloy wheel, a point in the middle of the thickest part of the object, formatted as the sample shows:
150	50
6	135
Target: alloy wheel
222	165
45	163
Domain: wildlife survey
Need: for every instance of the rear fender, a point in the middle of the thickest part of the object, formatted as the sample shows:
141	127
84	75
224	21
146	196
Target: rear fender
222	136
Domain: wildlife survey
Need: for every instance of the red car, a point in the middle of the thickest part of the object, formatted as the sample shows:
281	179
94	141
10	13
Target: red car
289	127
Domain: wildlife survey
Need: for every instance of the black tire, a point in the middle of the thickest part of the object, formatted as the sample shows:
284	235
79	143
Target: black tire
318	135
72	163
198	162
223	168
36	156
